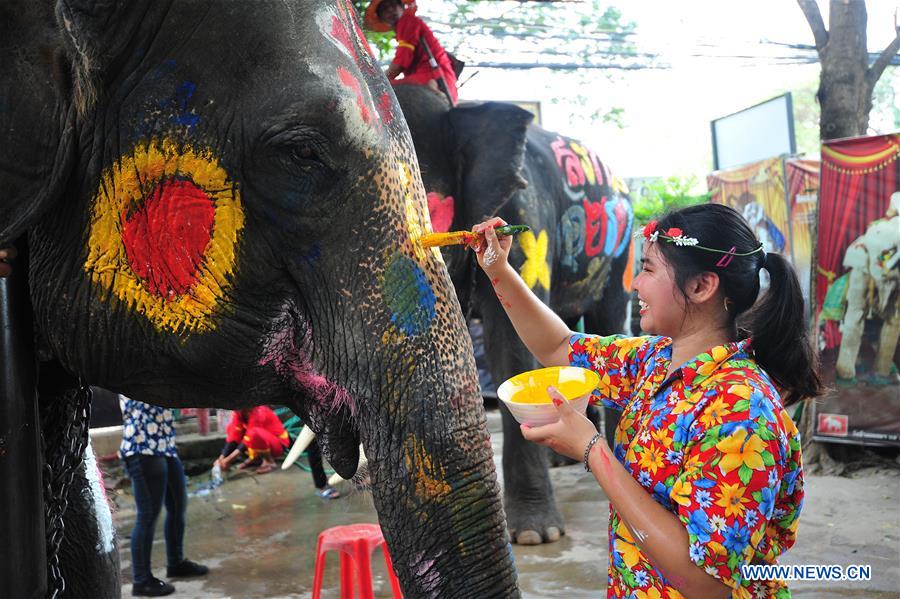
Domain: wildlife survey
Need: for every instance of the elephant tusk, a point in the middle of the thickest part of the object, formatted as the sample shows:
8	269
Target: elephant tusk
305	437
363	460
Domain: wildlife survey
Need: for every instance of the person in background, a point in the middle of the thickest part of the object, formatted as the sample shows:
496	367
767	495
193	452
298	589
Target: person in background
323	489
157	476
256	433
706	475
412	59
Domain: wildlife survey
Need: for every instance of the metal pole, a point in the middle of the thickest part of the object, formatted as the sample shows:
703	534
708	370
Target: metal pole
23	560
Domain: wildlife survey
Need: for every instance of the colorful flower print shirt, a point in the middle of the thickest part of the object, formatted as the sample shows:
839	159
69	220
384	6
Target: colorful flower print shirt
146	429
713	445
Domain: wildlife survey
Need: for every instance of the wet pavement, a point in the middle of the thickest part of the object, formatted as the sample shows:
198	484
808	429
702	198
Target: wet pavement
258	536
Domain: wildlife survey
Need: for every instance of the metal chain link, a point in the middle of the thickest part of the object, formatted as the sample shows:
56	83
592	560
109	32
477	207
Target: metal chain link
64	437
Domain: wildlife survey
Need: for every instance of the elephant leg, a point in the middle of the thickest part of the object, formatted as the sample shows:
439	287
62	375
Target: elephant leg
887	346
852	325
531	512
88	556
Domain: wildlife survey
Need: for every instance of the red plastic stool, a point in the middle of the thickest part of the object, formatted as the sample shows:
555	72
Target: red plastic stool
356	542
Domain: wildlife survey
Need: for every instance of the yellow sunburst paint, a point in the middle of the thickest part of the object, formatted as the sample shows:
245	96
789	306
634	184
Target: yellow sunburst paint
418	219
123	187
535	269
428	476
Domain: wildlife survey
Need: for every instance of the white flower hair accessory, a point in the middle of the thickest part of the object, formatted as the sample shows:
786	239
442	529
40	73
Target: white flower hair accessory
651	233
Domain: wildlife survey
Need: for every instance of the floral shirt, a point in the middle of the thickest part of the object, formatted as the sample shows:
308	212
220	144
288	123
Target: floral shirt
146	429
713	445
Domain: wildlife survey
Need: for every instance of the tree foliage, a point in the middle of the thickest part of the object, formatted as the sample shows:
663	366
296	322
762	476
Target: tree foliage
662	195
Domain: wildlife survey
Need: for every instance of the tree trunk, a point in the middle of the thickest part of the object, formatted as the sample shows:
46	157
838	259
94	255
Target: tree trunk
847	80
845	96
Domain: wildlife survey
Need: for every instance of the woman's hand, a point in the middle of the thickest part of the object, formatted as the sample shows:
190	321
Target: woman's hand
569	435
492	251
6	256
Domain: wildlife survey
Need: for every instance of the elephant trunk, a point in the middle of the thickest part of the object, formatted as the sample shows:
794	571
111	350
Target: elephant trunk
435	488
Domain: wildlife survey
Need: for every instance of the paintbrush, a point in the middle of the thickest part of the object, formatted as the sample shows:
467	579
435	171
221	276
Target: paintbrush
430	240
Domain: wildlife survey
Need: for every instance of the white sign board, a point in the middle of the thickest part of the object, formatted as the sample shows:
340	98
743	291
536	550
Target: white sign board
755	133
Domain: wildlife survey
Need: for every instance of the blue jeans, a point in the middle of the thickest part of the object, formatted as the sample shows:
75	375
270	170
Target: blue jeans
155	478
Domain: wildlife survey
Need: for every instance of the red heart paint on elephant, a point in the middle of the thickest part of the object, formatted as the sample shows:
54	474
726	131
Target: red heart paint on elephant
441	210
165	238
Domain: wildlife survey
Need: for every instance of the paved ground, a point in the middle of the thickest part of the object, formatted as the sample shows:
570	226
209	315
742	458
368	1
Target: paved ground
258	535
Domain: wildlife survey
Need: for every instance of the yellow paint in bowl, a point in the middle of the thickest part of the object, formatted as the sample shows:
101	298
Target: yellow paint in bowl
528	401
531	387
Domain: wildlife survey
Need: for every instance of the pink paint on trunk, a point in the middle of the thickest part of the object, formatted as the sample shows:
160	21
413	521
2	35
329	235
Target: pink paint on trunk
282	353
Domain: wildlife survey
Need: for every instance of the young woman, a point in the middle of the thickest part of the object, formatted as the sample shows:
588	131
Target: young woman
706	473
157	475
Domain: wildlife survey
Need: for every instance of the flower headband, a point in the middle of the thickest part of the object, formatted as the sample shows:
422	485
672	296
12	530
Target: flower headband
676	236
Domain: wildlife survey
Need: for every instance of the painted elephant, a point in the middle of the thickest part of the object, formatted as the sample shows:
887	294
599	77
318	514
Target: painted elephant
222	207
483	160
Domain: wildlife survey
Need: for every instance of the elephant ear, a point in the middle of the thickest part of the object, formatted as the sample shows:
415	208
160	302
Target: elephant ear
490	147
35	155
51	61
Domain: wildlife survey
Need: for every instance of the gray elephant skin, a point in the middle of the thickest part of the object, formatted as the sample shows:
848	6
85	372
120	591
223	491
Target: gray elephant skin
222	207
487	159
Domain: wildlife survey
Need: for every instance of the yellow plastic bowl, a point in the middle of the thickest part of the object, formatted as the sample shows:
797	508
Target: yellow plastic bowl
526	394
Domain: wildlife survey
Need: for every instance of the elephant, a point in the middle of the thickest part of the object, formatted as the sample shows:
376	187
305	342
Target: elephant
222	207
487	159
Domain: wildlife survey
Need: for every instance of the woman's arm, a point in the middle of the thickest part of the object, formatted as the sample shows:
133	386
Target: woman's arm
543	332
658	532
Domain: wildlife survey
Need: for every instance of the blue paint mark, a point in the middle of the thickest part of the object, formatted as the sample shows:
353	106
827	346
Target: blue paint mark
612	227
311	257
624	205
408	295
183	95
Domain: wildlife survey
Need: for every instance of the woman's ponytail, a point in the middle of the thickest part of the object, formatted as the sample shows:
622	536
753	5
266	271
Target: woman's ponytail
781	340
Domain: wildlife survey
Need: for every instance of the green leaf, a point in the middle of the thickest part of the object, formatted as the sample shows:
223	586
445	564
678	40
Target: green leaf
744	473
768	458
741	405
765	433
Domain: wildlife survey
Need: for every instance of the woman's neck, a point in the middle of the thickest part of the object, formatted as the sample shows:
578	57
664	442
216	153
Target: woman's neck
689	344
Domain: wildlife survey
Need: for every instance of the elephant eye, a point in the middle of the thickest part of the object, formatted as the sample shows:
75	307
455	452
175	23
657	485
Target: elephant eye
306	156
305	153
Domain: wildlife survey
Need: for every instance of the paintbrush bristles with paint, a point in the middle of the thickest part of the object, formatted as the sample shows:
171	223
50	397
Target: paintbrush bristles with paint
430	240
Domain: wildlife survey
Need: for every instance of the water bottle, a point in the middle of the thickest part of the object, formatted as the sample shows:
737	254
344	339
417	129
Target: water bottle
216	475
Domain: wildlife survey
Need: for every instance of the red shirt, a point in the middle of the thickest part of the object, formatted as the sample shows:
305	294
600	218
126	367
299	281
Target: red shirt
260	417
414	60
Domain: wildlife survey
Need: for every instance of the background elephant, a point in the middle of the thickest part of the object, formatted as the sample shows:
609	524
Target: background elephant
482	160
222	208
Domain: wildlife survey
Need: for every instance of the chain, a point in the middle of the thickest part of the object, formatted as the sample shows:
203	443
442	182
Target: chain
64	436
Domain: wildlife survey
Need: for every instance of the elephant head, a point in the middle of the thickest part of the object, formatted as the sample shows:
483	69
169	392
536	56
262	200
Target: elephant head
474	155
222	206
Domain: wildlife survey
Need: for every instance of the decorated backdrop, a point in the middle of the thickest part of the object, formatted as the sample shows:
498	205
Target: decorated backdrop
858	290
802	183
756	190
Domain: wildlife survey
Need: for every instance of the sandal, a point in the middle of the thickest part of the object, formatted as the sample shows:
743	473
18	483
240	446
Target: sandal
266	467
328	493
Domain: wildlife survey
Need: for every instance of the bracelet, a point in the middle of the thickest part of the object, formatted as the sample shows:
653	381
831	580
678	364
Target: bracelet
587	450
